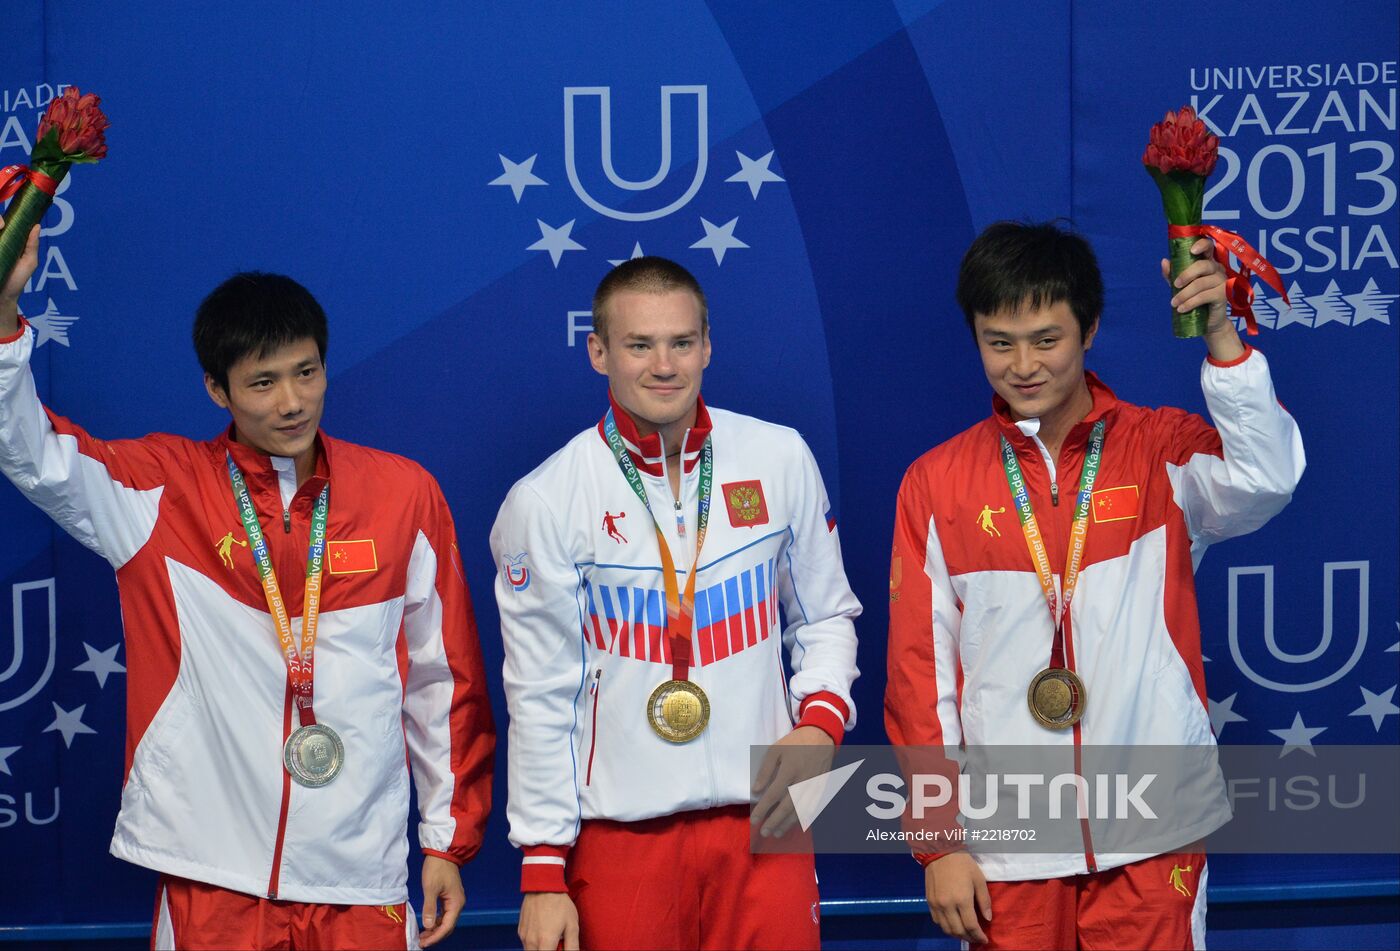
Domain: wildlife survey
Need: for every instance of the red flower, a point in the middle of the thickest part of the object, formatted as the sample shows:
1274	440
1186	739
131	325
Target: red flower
80	123
1180	143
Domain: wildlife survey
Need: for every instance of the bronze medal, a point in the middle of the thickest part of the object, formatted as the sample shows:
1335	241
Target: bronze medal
1057	697
313	755
678	711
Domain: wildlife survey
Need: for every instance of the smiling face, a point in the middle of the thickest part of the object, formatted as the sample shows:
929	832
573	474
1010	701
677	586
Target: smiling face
1034	359
654	356
276	399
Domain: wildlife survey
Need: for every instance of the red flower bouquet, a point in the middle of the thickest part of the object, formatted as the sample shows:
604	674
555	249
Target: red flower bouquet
72	130
1180	156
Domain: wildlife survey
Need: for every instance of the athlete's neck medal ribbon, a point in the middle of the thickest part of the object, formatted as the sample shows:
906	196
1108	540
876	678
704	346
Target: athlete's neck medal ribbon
678	709
1180	156
72	130
314	753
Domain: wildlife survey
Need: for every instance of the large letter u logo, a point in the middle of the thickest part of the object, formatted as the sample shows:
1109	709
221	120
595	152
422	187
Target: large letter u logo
30	672
1330	570
604	95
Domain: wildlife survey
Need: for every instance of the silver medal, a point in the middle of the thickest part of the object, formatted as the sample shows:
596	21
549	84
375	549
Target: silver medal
313	755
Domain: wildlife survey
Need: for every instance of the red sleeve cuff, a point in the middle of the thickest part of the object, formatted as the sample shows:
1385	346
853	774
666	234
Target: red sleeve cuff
928	858
1248	351
444	855
23	326
827	712
542	869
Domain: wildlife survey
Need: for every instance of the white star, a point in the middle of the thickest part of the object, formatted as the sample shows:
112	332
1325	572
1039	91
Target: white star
1266	310
101	663
1331	307
5	752
637	252
518	175
51	325
1371	304
1298	736
1378	706
754	172
69	723
556	240
1222	714
719	239
1300	312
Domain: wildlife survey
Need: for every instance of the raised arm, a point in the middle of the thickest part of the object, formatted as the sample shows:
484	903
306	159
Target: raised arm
104	494
1230	479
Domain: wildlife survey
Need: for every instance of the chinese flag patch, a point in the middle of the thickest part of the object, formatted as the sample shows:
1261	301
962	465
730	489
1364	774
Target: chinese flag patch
1116	504
747	506
352	558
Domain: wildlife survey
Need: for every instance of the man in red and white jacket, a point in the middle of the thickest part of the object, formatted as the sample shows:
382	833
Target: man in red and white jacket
971	625
632	809
249	858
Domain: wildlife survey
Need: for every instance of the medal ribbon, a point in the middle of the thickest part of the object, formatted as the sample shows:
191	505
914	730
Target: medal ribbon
301	665
1035	540
1239	289
13	177
680	609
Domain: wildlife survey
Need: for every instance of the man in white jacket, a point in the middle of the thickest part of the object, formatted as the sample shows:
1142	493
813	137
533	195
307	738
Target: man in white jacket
651	574
267	765
989	649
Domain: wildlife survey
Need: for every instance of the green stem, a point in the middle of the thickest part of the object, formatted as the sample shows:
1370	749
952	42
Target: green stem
24	213
1193	323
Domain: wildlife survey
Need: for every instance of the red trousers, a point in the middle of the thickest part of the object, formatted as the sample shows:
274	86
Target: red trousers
195	916
689	881
1158	903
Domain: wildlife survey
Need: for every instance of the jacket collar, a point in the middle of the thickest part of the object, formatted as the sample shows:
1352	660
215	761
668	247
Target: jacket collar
647	452
1105	402
258	469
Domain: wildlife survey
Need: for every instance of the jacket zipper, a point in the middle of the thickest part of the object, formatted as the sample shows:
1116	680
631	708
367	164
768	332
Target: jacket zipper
593	737
274	878
680	532
1050	472
1090	862
677	507
710	756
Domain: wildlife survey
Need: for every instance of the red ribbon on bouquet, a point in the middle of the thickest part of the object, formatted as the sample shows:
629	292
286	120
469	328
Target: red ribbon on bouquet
13	177
1239	288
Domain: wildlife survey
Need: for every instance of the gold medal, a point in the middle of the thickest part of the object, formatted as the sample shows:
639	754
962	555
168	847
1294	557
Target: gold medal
313	755
1057	697
678	711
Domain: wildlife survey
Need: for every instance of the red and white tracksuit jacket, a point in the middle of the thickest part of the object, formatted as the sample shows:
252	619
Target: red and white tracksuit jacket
398	668
970	626
583	617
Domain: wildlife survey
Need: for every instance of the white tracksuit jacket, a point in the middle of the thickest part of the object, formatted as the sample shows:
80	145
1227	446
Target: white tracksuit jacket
398	668
583	620
970	626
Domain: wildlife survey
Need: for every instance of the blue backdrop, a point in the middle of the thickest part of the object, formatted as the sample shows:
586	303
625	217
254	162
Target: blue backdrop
452	185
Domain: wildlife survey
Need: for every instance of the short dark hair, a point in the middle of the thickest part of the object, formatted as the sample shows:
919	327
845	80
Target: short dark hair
1016	264
254	313
651	275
